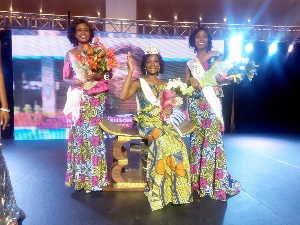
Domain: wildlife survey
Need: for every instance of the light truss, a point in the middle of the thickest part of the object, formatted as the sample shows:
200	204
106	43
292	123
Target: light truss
16	20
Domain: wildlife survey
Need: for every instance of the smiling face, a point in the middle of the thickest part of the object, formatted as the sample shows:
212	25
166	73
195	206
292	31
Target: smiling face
82	33
201	40
152	65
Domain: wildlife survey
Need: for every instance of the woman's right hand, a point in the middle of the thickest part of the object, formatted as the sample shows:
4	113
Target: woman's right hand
129	62
4	118
78	83
194	82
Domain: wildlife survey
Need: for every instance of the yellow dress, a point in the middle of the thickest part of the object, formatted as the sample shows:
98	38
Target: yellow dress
168	169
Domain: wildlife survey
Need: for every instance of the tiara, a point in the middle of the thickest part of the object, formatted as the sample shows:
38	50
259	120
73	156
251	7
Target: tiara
152	51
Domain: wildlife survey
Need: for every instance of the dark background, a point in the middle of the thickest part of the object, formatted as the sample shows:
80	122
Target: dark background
270	103
261	12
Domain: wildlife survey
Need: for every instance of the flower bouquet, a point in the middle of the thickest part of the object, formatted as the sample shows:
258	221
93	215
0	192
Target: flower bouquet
233	72
173	94
94	58
179	88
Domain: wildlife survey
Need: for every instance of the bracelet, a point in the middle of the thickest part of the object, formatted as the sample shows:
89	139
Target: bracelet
5	110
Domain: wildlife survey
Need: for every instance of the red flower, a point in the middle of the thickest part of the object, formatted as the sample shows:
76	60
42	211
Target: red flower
96	39
100	55
82	61
101	46
90	51
85	47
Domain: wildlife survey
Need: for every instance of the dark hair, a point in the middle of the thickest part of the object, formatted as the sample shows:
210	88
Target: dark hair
144	60
72	31
193	35
136	52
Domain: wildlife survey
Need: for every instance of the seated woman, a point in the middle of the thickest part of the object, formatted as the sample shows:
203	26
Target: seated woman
168	173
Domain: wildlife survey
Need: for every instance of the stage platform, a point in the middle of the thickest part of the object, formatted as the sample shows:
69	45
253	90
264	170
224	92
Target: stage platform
267	166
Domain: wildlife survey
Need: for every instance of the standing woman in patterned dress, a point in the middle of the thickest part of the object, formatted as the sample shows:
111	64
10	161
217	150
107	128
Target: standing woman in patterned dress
10	213
86	157
207	154
168	173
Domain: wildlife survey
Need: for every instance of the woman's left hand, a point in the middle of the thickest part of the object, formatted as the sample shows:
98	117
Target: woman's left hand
93	76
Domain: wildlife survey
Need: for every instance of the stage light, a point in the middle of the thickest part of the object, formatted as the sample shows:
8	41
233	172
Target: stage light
273	48
98	13
175	17
225	19
291	47
235	47
149	16
11	9
249	20
200	18
249	47
41	10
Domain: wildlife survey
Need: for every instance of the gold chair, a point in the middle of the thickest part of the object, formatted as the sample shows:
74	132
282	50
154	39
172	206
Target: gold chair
130	179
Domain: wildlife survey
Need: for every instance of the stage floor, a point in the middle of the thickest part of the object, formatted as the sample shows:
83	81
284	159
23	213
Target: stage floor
267	166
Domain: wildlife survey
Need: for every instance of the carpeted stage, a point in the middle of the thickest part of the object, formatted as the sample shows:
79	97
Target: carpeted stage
268	167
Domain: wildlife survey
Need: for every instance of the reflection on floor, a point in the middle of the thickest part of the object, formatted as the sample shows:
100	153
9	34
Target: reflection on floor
268	167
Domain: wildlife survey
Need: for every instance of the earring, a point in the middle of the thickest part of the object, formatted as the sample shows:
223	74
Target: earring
146	71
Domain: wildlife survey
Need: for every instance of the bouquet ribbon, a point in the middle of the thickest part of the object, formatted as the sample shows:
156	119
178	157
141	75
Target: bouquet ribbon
72	106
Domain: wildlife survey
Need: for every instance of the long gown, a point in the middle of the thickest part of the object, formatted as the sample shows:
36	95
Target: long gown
168	173
209	174
9	211
86	156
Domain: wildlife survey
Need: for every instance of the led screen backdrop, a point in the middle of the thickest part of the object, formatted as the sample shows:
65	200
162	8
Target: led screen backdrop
40	94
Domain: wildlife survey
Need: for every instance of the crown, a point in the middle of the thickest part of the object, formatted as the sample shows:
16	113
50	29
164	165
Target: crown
152	51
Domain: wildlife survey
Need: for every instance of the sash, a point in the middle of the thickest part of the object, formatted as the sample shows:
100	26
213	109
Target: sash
148	93
208	91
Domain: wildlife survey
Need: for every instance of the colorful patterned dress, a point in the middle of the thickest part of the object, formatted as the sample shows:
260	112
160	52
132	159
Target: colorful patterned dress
207	153
86	156
168	174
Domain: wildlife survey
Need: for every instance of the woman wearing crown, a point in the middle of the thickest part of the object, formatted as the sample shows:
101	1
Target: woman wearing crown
168	173
207	154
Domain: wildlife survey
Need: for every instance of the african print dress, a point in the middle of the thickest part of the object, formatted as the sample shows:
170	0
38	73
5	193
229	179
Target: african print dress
168	174
86	157
209	174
